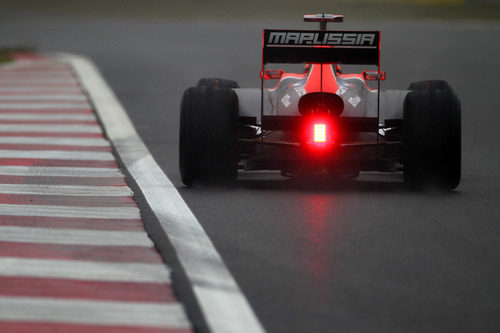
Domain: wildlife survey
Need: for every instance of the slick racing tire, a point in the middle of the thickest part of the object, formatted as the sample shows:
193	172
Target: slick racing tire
432	139
430	85
208	136
216	82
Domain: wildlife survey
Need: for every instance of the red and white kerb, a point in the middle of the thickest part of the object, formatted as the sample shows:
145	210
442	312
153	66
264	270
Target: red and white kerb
74	255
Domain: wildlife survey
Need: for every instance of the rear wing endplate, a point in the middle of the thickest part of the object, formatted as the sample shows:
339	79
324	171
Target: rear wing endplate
317	46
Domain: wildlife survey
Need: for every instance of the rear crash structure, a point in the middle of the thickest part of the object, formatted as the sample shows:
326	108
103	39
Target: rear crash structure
321	120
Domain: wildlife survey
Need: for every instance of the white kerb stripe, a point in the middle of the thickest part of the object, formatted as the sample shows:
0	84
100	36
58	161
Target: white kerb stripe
7	170
5	128
41	116
35	75
55	141
37	81
84	270
58	155
221	301
74	190
70	211
74	236
40	88
40	72
138	314
81	98
43	106
31	65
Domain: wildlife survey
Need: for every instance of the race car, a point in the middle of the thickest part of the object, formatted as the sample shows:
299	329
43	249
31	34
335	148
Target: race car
319	119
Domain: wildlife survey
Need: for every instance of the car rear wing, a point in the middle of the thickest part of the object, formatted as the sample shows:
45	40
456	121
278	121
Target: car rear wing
321	47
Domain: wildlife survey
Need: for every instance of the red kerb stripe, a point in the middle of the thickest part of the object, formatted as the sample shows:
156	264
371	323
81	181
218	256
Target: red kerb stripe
50	122
58	163
43	91
90	290
72	223
53	134
27	84
44	101
135	254
67	200
49	111
45	180
13	146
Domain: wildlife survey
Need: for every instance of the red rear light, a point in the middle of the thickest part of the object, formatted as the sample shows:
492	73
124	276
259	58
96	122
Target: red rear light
319	134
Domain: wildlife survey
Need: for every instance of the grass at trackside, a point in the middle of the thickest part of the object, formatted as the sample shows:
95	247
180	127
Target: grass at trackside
237	9
6	54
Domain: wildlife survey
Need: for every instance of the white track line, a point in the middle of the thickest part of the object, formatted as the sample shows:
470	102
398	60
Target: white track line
43	106
70	211
46	117
223	305
139	314
74	236
50	128
54	141
73	190
83	270
58	155
7	170
24	98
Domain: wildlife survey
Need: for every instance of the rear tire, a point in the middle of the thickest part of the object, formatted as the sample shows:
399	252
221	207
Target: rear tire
432	139
430	85
216	82
208	136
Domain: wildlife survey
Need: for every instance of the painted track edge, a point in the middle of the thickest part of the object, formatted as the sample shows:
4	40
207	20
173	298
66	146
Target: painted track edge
223	305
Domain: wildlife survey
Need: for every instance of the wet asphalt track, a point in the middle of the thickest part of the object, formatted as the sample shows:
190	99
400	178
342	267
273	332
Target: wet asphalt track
366	256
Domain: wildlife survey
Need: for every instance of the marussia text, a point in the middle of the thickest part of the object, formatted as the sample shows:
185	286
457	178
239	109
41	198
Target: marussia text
322	38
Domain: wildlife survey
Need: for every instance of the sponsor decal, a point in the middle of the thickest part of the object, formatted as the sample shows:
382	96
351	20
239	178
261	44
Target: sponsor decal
300	91
286	100
310	38
354	100
315	46
342	90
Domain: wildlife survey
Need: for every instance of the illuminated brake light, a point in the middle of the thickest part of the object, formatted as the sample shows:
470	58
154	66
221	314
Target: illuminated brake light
319	135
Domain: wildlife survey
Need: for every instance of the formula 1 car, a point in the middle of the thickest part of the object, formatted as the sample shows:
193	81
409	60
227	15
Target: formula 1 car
321	120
